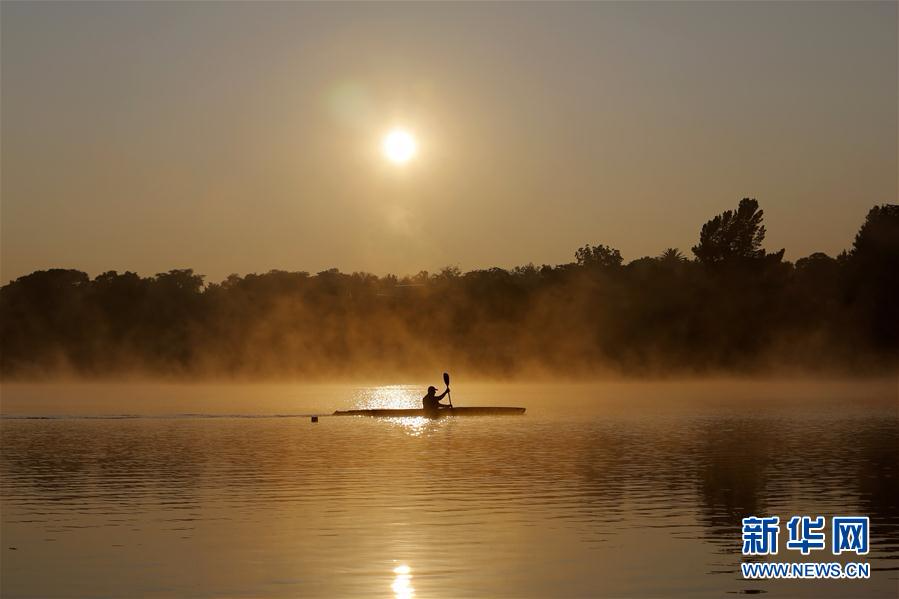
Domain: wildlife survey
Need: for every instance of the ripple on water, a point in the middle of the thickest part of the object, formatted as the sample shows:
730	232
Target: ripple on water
542	505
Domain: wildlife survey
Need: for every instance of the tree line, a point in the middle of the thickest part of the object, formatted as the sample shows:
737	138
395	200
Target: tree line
733	307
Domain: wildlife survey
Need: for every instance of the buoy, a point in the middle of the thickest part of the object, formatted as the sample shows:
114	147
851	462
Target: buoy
315	419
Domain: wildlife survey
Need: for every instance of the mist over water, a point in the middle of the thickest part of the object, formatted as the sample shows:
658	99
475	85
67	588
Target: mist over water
736	308
617	489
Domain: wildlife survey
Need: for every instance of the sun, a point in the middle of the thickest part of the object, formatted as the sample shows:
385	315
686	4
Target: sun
399	146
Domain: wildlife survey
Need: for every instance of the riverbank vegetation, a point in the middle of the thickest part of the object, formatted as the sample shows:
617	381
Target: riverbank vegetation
730	306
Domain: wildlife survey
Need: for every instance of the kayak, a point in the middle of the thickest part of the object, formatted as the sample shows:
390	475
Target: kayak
473	411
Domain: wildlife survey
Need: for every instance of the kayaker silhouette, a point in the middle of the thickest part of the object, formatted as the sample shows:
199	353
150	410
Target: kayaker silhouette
431	401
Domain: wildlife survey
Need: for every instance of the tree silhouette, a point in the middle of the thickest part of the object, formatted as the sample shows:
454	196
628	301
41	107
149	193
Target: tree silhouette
879	234
733	235
598	256
735	308
874	281
672	255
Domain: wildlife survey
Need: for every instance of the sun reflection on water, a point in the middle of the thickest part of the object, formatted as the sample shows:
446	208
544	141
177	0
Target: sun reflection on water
390	396
398	397
402	582
415	425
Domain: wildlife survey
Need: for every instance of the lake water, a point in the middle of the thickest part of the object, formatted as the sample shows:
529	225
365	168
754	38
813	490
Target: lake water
622	489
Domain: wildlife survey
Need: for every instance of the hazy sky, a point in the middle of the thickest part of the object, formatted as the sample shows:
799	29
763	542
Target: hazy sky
244	136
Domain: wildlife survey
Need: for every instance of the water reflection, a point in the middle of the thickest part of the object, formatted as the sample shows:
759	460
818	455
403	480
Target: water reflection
567	501
416	426
402	583
397	397
389	396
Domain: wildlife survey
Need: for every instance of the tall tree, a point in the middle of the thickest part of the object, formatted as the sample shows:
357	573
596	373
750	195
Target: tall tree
734	235
874	278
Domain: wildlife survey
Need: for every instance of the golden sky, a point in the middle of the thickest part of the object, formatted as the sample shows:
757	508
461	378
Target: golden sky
243	136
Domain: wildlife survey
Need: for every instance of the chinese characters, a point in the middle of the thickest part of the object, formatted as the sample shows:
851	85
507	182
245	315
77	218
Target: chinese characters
849	534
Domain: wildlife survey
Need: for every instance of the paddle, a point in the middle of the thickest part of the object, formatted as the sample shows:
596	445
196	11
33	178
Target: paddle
448	394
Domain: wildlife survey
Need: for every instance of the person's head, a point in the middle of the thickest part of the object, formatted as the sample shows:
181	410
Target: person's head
432	390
